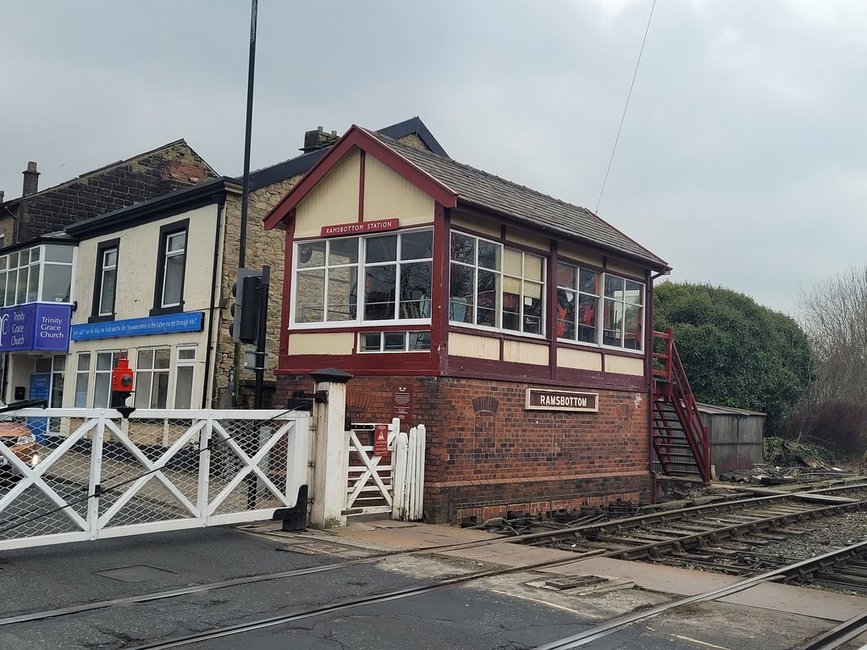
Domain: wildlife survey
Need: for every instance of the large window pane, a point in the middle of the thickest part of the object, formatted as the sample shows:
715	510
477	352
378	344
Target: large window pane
342	298
463	248
488	295
489	255
82	377
311	254
310	296
416	245
184	388
379	289
381	249
343	251
461	293
415	286
174	281
56	281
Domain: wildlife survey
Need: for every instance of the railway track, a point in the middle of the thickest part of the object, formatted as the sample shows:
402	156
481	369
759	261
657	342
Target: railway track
676	534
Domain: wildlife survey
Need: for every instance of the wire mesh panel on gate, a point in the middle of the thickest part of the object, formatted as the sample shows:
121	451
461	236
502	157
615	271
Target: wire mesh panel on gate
44	475
149	471
248	469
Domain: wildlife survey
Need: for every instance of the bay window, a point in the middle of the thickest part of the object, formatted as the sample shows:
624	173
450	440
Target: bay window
38	274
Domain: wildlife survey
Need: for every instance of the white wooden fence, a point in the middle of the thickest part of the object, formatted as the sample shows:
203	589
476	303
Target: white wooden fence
392	484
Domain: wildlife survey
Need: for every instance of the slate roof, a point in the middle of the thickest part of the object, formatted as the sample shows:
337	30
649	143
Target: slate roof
479	189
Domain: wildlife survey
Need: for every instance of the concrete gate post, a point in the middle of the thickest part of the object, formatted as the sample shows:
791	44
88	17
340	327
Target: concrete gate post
330	448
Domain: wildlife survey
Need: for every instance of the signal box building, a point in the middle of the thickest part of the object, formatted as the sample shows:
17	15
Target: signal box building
516	327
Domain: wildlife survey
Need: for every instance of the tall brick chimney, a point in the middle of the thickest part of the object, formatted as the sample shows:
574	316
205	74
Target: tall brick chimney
31	180
318	139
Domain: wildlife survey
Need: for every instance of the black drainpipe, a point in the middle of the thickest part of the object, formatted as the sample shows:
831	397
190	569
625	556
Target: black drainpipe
213	308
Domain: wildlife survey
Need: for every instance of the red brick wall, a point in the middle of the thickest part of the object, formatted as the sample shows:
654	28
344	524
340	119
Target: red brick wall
487	454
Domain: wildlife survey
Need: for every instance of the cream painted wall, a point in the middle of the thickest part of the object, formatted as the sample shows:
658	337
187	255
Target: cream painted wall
521	237
334	199
623	268
480	347
624	365
324	343
388	195
474	223
579	254
132	345
579	359
137	266
520	352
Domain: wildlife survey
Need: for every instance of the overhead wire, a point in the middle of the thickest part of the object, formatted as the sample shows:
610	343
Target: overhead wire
626	106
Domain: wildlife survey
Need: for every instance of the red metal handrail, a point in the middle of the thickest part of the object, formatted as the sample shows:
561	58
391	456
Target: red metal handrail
675	389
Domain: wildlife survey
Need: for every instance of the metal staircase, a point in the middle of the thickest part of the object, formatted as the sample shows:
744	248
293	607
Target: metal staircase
680	438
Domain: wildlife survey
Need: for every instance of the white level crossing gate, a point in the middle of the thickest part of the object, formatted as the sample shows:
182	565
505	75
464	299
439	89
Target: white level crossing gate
96	474
392	483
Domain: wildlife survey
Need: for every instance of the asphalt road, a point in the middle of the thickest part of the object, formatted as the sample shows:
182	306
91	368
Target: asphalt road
491	614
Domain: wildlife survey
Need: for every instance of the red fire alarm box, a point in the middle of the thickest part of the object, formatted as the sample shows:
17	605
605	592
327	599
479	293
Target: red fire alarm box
380	440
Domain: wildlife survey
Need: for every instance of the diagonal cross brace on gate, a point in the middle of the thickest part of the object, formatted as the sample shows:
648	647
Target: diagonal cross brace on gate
100	475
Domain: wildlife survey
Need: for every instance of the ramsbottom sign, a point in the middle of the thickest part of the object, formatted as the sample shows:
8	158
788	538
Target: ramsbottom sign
540	399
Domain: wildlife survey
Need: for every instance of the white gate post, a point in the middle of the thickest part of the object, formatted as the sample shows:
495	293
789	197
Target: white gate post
330	453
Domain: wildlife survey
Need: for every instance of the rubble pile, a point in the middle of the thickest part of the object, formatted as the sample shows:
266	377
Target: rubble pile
789	462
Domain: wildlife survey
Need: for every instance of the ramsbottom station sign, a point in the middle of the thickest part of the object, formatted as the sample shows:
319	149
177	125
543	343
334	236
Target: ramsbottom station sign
359	228
541	399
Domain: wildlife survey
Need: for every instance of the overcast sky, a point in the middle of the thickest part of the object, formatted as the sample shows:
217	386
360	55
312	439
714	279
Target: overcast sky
742	160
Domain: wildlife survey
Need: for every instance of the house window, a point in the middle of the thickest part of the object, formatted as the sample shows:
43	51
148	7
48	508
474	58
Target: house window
495	286
82	379
169	295
185	368
152	378
618	323
105	362
105	289
364	279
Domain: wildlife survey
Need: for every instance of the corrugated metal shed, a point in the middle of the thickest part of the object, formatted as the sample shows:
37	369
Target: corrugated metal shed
736	436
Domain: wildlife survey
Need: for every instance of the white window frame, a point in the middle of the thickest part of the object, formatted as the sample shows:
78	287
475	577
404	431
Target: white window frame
106	307
360	266
146	401
601	300
82	379
169	254
500	276
183	364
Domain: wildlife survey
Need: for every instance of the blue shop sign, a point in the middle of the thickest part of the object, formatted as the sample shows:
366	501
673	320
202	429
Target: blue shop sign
185	322
35	326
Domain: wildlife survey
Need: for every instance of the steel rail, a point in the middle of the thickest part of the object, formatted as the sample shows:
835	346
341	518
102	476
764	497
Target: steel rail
642	550
599	631
569	642
733	530
397	594
839	635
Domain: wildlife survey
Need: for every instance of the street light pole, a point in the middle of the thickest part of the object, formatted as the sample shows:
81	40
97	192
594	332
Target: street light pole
245	192
245	183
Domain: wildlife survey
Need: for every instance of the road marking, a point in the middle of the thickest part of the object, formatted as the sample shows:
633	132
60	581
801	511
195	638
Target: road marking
707	645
